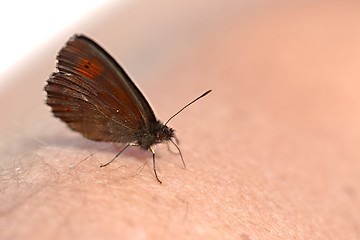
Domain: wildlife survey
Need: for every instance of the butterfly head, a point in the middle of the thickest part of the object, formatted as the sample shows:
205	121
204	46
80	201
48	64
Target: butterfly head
157	133
162	133
165	134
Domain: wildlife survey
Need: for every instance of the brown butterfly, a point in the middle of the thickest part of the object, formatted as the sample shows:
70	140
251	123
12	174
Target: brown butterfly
94	96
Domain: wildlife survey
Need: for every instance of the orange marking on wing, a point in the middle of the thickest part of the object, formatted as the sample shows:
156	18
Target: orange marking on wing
91	68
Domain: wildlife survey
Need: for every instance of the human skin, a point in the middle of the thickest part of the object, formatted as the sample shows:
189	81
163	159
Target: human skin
271	153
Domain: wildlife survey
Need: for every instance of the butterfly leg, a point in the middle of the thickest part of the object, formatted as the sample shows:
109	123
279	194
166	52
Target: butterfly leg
154	164
169	149
182	159
104	165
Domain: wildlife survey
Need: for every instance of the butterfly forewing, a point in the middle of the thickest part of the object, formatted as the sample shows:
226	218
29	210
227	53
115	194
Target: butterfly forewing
94	95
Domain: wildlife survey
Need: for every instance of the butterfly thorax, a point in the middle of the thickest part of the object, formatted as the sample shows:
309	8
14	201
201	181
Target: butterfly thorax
157	133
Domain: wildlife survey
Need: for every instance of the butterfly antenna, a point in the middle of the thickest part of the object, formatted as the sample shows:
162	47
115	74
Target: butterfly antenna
203	95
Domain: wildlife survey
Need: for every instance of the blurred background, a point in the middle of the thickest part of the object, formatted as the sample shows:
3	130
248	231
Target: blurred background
26	25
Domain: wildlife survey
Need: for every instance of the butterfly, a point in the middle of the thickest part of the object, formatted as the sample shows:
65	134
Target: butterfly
94	96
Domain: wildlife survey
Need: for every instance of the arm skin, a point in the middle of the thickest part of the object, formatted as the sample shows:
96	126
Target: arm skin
271	153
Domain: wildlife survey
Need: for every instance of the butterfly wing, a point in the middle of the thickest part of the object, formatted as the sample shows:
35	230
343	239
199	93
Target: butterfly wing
94	95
